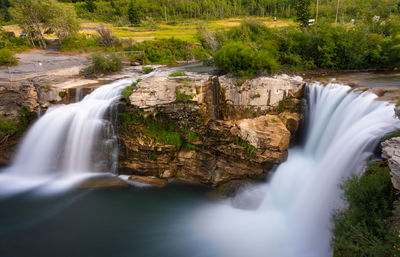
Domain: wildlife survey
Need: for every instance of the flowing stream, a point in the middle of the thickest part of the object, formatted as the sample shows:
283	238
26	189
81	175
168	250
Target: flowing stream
289	216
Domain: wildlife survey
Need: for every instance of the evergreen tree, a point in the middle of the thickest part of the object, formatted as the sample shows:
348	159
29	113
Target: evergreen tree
90	5
303	11
133	13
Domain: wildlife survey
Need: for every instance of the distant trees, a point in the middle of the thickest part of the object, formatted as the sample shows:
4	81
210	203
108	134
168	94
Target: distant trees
133	13
303	11
36	16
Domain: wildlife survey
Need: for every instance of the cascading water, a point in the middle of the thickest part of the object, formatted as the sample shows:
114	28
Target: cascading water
69	142
292	218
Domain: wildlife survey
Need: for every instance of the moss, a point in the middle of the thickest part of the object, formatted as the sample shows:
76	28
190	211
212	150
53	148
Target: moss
249	149
154	156
126	93
282	105
182	96
7	127
255	96
178	74
62	94
147	70
394	134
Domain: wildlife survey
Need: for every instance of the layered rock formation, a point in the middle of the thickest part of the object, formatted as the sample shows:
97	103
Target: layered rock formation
208	130
391	152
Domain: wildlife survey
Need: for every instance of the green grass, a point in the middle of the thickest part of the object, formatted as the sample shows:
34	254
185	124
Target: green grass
178	74
126	93
249	148
182	96
147	70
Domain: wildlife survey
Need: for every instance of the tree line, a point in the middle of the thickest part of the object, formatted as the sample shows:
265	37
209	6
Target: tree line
131	11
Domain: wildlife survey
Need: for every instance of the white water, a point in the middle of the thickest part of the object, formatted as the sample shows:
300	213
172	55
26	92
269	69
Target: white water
293	210
67	144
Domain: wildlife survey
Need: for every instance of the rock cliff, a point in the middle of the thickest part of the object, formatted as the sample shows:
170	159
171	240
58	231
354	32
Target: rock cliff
208	130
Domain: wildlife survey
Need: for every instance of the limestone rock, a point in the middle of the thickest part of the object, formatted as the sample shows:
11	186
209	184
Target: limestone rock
266	132
391	152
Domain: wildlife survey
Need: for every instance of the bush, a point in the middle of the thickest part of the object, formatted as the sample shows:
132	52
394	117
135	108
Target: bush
106	38
7	58
102	63
364	227
240	59
11	42
177	74
7	127
126	93
78	42
147	70
167	51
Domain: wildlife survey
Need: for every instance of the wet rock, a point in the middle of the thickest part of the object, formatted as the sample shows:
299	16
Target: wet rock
103	182
149	180
391	152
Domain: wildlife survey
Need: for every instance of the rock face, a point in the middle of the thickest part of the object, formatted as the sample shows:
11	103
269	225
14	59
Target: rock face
391	152
208	130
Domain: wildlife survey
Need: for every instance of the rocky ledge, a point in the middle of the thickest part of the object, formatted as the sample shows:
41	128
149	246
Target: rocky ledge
209	130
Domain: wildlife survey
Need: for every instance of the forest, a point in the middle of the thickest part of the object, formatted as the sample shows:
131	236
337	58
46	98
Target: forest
129	11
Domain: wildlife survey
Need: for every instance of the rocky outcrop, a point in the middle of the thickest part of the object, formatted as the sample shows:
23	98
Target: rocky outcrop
391	152
208	130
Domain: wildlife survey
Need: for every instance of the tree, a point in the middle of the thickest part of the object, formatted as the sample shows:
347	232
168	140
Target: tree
35	16
61	19
133	13
90	5
303	12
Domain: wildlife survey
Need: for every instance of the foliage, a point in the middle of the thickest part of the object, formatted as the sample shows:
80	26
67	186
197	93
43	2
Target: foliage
147	70
303	11
165	51
249	148
126	93
182	96
34	15
7	127
363	228
394	134
133	13
239	58
7	58
176	10
149	23
78	42
106	38
12	42
102	63
243	49
177	74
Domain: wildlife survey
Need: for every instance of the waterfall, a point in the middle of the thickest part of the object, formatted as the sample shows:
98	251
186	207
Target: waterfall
293	210
68	142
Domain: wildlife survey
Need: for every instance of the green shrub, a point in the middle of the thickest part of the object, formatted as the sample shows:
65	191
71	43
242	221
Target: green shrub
240	59
102	63
78	42
11	42
182	96
126	92
177	74
7	127
364	227
7	58
147	70
166	51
